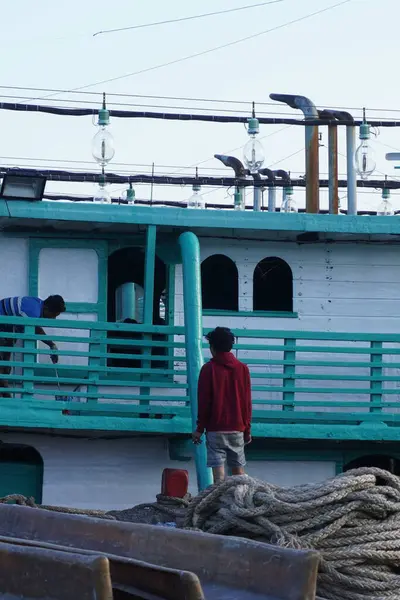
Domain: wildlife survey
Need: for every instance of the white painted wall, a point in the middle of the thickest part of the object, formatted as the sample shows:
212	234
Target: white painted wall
344	287
13	266
70	272
119	473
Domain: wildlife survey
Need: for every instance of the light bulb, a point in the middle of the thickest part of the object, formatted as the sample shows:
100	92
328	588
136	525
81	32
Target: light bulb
103	146
253	152
385	209
196	200
102	195
365	160
289	204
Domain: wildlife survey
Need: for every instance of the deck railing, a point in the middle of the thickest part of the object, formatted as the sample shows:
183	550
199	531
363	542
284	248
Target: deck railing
300	380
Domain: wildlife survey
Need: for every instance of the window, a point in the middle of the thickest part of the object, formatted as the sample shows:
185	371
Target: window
273	286
125	302
220	283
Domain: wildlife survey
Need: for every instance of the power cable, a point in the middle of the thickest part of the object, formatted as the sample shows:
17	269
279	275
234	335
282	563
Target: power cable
58	91
204	52
181	19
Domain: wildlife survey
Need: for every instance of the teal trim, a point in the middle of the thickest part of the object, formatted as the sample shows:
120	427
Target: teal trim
29	363
149	271
36	244
376	377
289	375
190	250
183	218
210	312
149	274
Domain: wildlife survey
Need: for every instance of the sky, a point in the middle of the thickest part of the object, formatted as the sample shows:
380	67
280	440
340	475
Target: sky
345	57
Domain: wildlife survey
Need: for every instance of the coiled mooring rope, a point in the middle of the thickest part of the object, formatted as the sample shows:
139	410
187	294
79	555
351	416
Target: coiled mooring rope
353	520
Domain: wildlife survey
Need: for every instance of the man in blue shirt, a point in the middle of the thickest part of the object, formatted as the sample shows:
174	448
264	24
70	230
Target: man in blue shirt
26	306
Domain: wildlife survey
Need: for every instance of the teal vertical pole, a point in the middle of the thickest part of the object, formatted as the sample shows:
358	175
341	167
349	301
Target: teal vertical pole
190	251
149	266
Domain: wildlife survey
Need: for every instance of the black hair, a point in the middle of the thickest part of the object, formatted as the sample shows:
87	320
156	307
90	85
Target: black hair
221	339
55	304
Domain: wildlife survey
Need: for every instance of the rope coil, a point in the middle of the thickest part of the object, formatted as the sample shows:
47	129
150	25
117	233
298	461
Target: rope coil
353	520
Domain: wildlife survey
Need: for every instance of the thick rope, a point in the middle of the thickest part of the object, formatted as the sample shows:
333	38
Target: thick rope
353	520
29	501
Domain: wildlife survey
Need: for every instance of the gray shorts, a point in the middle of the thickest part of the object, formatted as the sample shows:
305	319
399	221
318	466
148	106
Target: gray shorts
227	447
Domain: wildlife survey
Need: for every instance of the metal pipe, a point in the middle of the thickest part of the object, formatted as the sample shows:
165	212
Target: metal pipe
256	193
333	170
351	170
270	176
272	199
344	116
311	143
190	252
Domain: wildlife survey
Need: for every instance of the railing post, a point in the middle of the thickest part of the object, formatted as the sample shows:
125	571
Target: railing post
97	345
190	251
149	267
28	359
376	359
289	374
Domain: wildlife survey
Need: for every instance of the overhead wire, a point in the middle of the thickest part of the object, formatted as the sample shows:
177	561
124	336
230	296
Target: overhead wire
191	18
210	50
57	91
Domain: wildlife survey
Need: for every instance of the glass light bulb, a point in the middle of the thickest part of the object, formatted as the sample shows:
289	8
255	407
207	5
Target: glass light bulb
385	208
365	160
253	154
289	204
103	146
102	195
196	200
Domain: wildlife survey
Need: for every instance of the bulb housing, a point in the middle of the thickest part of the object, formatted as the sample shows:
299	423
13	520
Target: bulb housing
289	204
196	200
253	152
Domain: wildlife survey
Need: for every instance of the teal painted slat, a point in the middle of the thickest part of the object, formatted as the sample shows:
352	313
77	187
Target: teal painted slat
28	366
289	375
376	377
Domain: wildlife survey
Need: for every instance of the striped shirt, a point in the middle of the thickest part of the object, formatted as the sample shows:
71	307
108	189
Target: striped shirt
21	306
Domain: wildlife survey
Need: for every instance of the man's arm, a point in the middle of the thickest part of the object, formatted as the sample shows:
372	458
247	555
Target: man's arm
49	343
203	399
247	405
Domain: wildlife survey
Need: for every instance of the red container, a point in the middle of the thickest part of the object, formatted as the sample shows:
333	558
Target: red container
175	483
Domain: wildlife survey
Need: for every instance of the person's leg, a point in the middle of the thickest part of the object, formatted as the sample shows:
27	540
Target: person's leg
235	452
218	474
216	456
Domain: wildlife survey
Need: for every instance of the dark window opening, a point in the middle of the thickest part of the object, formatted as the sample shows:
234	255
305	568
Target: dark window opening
128	266
273	286
220	283
381	461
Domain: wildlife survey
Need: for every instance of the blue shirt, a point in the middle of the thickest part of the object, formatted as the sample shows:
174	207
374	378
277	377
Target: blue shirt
21	306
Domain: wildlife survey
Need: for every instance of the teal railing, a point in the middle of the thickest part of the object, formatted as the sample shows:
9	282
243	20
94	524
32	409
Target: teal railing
304	384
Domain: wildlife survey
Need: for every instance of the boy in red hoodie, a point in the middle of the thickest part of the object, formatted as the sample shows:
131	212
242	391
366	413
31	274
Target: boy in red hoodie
224	406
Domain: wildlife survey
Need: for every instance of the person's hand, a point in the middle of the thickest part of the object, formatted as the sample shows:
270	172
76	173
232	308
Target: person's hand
196	437
53	355
247	439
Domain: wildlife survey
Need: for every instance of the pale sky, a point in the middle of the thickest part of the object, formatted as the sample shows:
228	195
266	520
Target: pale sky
346	57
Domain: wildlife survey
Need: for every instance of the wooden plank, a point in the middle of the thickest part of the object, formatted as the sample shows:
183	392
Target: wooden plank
240	564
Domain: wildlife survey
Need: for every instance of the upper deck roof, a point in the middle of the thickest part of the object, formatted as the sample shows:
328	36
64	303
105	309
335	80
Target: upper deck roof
85	217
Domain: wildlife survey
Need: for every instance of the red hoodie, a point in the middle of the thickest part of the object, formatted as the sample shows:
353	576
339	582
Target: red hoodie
224	395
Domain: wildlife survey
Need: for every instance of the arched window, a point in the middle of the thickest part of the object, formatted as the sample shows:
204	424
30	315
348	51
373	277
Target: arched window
273	285
220	283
